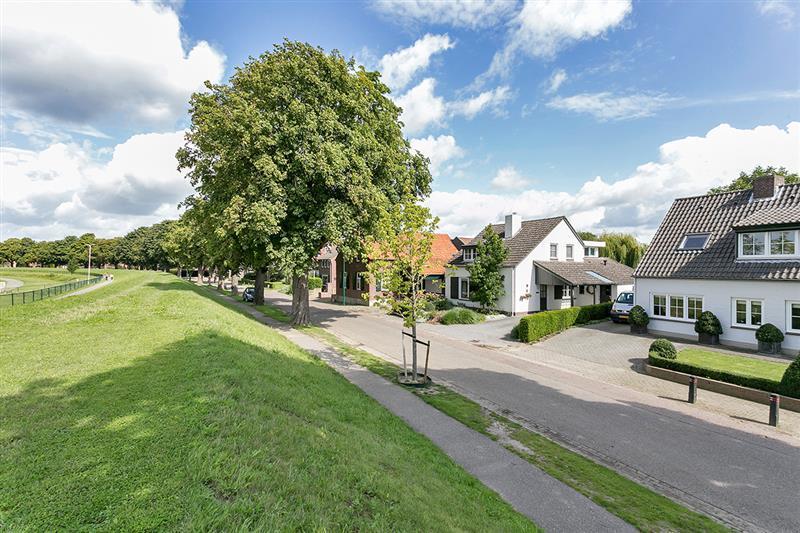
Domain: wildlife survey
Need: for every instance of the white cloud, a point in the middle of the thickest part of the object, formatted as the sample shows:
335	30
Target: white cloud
66	189
438	149
782	11
421	107
637	204
459	13
609	106
493	99
79	62
555	81
544	27
398	68
510	179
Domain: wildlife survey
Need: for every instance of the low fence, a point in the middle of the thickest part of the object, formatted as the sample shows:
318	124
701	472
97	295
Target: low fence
25	297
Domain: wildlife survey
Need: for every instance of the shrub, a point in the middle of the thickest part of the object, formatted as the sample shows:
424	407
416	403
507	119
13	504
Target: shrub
790	384
531	328
708	323
638	316
769	333
314	283
461	315
442	304
72	266
769	385
664	348
249	277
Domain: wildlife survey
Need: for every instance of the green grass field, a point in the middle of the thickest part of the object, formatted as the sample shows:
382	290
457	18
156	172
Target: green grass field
737	364
148	405
38	278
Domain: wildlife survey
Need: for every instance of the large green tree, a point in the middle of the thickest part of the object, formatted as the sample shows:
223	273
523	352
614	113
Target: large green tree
486	282
745	179
301	148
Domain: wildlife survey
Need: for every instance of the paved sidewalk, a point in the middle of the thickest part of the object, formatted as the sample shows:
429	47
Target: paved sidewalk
740	471
546	501
90	288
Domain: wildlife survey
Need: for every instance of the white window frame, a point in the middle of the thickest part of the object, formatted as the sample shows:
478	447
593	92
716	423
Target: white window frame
668	296
461	295
748	312
471	255
569	252
789	304
359	282
552	256
768	245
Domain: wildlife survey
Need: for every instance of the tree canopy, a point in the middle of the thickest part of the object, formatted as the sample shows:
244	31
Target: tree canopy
745	179
486	282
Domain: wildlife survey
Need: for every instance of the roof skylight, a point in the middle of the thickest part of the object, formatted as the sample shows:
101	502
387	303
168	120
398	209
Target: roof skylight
695	241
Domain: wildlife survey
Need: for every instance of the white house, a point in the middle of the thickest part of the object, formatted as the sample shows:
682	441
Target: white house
735	254
546	268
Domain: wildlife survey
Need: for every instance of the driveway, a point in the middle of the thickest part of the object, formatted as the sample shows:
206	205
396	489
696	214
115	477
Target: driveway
724	464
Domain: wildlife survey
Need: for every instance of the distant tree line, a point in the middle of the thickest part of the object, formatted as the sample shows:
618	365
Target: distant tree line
745	179
141	248
621	247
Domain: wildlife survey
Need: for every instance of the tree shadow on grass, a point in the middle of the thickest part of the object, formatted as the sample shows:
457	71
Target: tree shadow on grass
210	432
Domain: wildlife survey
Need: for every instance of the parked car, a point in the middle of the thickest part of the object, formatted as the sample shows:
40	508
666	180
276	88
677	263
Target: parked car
622	306
249	294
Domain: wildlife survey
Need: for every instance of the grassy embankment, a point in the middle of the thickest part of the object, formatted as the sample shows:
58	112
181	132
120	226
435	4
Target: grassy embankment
146	405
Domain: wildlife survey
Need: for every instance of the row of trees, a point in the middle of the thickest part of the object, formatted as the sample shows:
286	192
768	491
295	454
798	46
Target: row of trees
141	248
621	247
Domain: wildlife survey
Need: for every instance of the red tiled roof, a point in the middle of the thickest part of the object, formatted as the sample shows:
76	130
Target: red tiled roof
442	251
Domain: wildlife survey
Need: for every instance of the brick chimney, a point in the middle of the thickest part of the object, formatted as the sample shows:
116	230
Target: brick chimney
513	224
766	186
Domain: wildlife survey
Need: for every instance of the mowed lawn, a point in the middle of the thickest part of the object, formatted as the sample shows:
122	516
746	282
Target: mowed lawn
38	278
146	405
736	364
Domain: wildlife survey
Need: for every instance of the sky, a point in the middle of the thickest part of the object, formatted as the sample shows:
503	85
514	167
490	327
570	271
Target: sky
604	111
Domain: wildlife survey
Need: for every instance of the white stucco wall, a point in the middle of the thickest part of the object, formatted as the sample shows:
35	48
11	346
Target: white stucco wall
718	296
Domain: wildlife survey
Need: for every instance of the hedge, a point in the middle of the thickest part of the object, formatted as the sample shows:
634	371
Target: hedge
533	327
461	315
764	384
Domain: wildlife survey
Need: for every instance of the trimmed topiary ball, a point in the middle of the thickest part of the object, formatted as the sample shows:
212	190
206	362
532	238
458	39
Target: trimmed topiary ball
708	323
638	316
790	384
769	333
663	348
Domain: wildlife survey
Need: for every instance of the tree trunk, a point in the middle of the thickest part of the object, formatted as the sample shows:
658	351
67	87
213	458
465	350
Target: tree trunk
301	315
259	296
200	275
235	284
414	350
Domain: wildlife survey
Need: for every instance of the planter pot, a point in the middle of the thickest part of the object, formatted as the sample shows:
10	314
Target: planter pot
708	338
639	330
771	348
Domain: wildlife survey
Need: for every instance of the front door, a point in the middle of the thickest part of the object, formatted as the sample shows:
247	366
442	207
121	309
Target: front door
542	297
605	293
454	288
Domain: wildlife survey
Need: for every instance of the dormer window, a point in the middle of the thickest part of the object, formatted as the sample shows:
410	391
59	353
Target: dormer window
768	244
753	243
782	242
695	241
469	254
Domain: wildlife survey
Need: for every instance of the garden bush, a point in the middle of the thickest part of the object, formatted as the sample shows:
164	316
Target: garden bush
768	385
533	327
314	283
708	323
638	316
790	384
664	348
442	304
461	315
769	333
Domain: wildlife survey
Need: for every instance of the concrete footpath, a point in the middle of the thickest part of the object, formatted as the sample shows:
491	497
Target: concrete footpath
546	501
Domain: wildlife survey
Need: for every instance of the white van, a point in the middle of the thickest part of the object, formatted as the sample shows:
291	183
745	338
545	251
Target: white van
622	306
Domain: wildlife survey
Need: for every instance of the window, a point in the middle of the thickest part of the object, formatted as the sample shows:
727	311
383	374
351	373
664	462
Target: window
694	306
359	281
469	254
659	305
793	316
676	306
569	252
581	289
558	292
696	241
378	284
747	312
782	242
464	289
553	252
753	244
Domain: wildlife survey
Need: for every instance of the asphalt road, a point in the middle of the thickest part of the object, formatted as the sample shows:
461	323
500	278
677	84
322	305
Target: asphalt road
744	478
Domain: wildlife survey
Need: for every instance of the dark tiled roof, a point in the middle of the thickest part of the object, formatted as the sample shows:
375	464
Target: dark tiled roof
530	234
718	215
578	273
777	216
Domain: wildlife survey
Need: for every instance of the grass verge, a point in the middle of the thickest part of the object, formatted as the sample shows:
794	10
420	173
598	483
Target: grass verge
639	506
146	405
39	278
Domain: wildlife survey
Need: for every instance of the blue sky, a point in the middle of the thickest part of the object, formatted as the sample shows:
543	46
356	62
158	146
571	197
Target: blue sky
603	111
